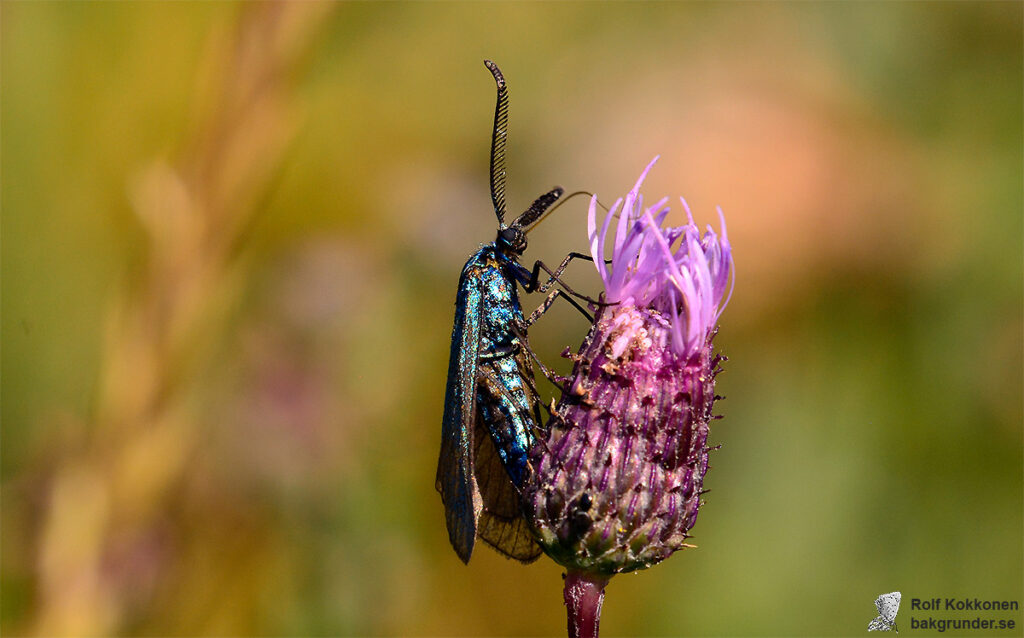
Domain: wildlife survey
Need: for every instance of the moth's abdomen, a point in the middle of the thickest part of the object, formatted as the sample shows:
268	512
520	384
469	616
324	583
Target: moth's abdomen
506	401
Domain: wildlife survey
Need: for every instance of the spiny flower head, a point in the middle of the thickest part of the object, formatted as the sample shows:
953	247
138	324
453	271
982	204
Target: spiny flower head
620	470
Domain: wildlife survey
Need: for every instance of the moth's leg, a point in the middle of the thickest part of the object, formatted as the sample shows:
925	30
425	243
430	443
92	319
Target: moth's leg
496	388
495	353
531	384
511	350
529	282
556	380
554	276
528	379
555	294
520	332
537	414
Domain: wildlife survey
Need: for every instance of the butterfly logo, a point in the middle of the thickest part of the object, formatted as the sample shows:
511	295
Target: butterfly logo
888	605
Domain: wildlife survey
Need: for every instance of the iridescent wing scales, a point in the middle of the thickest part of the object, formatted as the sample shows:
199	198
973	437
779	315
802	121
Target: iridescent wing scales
455	479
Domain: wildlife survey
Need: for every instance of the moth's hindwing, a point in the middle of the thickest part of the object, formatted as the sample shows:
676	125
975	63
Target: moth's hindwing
501	523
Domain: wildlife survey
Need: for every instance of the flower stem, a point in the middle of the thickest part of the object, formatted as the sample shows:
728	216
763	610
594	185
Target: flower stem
584	594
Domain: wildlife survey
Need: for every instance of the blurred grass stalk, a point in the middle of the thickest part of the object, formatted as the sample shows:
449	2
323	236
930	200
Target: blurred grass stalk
195	213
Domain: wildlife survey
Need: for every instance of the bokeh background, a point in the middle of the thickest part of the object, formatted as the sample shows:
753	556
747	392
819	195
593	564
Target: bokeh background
231	239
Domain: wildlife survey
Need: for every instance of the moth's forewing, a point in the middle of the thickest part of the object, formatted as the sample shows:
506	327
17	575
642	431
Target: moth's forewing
455	479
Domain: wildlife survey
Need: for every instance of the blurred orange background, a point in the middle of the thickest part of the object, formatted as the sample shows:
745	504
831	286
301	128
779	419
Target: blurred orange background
231	239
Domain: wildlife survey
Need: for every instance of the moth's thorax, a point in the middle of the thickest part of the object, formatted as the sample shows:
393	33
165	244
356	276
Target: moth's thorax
500	311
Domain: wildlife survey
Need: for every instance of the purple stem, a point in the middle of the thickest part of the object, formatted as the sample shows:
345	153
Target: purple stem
584	594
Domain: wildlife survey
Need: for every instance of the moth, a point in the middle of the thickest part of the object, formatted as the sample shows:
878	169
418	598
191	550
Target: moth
491	407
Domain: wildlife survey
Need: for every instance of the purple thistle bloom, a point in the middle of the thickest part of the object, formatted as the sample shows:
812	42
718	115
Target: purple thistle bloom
620	470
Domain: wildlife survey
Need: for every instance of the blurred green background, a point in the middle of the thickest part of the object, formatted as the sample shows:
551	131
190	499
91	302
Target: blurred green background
231	240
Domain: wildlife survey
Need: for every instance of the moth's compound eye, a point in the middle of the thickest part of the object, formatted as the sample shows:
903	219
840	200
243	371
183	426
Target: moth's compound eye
508	235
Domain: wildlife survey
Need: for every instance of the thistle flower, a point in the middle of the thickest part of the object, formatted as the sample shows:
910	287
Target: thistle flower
619	473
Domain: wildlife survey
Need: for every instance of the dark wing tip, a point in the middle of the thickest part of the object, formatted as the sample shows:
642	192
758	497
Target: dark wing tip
461	530
462	537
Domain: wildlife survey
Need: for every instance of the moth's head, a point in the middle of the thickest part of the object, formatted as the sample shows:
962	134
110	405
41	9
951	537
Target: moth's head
511	239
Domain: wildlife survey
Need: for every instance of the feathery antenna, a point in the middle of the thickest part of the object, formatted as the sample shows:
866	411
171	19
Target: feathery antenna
498	138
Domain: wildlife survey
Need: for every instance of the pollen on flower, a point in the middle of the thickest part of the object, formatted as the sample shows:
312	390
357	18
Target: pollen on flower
685	284
627	332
